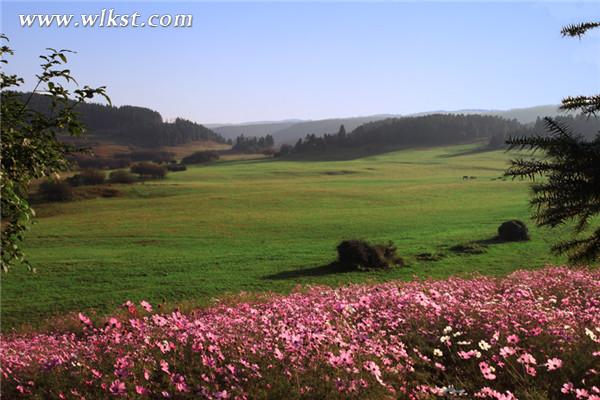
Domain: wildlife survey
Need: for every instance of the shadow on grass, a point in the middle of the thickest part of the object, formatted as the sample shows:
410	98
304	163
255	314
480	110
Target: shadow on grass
327	269
475	246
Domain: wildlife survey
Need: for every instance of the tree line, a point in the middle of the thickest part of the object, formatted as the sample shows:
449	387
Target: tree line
429	130
251	145
131	125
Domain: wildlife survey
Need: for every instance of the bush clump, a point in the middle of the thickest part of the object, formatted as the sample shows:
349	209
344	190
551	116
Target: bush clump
362	255
56	190
121	176
176	167
87	177
201	157
513	231
149	170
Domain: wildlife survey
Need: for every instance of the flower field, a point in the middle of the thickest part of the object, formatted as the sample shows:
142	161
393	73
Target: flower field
530	335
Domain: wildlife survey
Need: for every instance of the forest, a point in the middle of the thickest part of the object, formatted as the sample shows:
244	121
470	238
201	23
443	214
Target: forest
437	130
429	130
137	126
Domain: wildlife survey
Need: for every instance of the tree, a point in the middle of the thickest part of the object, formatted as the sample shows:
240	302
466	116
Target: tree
570	165
342	132
30	146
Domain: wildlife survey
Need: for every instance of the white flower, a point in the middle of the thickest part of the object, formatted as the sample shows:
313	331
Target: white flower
437	352
477	354
448	329
483	345
445	339
591	334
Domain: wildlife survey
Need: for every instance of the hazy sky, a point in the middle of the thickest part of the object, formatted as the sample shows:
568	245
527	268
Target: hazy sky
275	60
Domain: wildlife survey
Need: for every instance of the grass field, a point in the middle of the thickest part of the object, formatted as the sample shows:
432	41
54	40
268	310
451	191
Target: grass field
254	225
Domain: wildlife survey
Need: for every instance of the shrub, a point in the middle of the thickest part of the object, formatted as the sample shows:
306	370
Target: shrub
56	190
150	170
176	167
269	152
513	231
284	150
87	177
122	176
201	157
362	255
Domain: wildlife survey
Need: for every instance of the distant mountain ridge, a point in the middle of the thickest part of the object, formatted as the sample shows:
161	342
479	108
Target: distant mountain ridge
289	131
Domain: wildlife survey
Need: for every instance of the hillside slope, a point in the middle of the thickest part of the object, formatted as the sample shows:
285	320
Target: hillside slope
131	125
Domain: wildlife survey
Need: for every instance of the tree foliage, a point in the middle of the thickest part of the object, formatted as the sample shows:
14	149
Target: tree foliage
251	144
30	148
570	165
428	130
131	125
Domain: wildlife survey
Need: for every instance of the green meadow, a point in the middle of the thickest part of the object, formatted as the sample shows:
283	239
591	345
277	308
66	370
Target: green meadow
268	225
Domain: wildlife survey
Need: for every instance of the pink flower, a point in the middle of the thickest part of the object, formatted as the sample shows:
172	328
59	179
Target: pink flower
513	339
567	388
164	346
374	370
530	370
507	351
84	319
180	384
164	366
117	387
553	363
487	371
581	393
526	358
146	306
141	390
113	322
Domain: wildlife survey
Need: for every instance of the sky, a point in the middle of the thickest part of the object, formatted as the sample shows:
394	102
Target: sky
259	61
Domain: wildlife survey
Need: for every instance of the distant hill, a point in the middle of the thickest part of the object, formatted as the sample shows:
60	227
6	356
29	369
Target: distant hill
406	132
131	125
527	115
291	134
252	129
289	131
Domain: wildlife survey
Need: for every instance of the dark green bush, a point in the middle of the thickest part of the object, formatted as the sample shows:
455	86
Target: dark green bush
149	170
201	157
284	150
361	255
85	161
513	231
56	190
176	167
87	177
122	176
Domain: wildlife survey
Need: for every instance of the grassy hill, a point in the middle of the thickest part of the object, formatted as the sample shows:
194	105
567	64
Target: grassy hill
267	225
